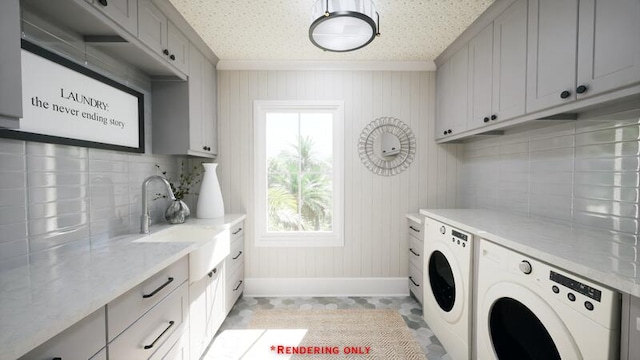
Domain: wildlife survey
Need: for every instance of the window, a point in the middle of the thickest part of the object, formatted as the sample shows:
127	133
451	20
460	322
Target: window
299	171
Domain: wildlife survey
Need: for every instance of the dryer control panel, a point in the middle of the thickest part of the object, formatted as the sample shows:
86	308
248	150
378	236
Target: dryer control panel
576	286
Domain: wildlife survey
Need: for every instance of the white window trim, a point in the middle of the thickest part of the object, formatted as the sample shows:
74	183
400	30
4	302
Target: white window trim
263	238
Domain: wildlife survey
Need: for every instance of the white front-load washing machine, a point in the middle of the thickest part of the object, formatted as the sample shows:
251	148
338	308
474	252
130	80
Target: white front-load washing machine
447	294
528	309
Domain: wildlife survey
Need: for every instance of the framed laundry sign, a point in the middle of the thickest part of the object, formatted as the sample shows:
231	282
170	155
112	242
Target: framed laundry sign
66	103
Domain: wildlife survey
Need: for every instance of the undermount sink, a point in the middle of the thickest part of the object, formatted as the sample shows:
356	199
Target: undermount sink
213	245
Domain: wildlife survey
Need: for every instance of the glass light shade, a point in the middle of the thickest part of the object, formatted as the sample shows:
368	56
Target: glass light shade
343	25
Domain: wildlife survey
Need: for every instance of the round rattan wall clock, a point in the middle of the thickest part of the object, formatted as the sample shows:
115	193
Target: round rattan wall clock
387	146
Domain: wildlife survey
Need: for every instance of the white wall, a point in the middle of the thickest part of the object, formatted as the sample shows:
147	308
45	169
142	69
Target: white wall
375	226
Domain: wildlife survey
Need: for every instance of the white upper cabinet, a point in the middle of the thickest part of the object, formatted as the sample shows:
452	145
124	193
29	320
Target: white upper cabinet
159	34
184	113
123	12
480	78
553	42
493	85
510	62
608	45
178	46
452	94
579	49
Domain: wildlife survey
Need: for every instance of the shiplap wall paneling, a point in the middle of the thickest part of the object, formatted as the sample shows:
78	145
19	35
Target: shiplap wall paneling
374	205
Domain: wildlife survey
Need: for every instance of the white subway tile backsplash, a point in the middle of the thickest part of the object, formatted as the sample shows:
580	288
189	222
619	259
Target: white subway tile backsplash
624	179
58	164
13	232
628	163
60	237
585	172
12	249
56	193
12	214
57	208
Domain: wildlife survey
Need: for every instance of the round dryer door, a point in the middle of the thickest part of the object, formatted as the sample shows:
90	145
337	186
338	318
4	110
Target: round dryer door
441	279
517	333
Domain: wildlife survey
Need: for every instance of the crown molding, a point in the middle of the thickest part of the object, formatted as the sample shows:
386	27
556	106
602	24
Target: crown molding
326	65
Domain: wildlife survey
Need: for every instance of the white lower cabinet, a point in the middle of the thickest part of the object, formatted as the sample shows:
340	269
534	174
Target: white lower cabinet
416	256
206	311
81	341
166	322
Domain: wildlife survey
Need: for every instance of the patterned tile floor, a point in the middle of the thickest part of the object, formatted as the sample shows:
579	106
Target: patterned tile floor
409	308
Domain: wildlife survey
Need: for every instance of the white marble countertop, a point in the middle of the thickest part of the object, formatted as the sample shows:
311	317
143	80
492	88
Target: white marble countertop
37	301
597	255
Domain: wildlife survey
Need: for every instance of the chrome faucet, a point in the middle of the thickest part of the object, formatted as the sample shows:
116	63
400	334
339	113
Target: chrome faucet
144	218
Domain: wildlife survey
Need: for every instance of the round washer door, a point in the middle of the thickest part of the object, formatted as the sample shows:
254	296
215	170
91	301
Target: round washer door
443	286
446	290
518	324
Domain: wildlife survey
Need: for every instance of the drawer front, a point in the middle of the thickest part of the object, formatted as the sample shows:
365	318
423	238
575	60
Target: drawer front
175	348
124	310
79	342
235	260
235	287
237	231
162	323
415	229
415	283
416	253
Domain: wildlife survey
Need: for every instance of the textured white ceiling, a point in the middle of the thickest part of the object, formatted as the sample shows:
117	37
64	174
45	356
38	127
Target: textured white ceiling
412	30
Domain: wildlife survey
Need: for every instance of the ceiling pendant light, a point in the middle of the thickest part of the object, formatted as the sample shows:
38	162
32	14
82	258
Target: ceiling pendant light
343	25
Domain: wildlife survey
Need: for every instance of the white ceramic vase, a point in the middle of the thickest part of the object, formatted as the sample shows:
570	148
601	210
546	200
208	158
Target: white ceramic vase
210	204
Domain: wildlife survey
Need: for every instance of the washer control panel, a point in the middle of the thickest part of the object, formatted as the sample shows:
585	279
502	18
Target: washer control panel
459	238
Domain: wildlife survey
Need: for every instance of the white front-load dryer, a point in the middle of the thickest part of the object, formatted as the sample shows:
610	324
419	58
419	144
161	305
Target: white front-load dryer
447	294
528	309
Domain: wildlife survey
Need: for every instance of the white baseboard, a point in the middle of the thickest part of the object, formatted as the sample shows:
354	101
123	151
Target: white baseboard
286	287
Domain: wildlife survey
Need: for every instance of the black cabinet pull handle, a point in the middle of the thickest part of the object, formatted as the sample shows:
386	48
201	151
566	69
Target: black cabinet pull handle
449	131
169	280
413	252
582	89
414	229
444	132
103	3
237	231
57	358
486	119
414	283
493	117
238	287
206	148
215	270
147	347
237	256
172	57
565	94
165	51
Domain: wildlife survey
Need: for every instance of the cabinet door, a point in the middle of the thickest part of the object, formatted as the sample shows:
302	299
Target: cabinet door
178	46
443	82
198	316
10	58
510	62
458	92
123	12
452	94
196	96
609	45
215	302
551	72
480	77
152	27
209	119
